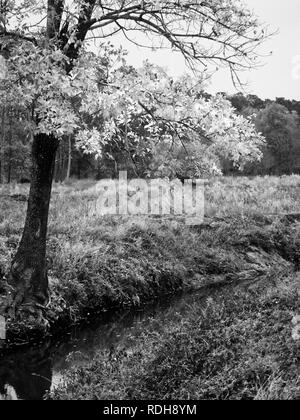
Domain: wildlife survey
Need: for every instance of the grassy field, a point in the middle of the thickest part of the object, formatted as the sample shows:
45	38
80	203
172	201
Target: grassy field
97	263
242	345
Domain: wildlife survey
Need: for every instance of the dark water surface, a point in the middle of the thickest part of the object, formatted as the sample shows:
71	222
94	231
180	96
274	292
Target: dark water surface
28	373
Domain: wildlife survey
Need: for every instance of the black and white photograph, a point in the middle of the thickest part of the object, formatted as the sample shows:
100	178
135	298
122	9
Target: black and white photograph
149	203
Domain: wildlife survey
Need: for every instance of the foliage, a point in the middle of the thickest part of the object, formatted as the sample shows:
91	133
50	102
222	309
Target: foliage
71	90
174	112
282	131
14	144
279	122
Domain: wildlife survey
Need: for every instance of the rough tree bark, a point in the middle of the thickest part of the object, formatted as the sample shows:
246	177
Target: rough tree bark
28	276
2	144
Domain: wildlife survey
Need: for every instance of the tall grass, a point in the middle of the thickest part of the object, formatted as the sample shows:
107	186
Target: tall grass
239	346
98	262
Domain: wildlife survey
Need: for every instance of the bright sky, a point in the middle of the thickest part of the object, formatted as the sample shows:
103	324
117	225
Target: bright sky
280	75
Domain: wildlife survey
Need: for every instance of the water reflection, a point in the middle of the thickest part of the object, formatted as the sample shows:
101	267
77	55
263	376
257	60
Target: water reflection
28	374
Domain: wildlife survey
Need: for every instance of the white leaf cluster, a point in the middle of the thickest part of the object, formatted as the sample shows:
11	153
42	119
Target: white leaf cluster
96	98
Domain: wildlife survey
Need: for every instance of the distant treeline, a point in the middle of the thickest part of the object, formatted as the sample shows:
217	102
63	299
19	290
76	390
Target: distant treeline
278	121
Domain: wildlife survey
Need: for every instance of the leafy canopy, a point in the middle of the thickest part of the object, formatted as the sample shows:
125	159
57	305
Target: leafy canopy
68	89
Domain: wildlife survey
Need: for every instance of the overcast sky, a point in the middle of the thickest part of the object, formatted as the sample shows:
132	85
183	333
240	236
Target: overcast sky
280	75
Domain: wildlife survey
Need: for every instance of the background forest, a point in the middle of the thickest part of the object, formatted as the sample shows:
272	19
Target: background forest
278	120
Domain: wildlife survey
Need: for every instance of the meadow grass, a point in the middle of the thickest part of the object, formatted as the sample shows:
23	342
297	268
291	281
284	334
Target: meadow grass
97	262
238	346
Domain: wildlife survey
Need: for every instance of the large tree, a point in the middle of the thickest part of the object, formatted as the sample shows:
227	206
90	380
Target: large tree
46	47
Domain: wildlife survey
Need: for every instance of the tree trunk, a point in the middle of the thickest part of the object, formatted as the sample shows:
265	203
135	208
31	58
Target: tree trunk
2	145
69	158
9	148
28	275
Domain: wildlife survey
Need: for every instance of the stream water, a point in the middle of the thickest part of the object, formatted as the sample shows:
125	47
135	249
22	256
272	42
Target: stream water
28	373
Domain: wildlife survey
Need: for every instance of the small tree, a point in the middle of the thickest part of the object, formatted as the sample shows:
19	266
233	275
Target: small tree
51	73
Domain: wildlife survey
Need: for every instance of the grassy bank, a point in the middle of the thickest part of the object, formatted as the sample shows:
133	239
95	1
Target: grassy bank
242	345
98	263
